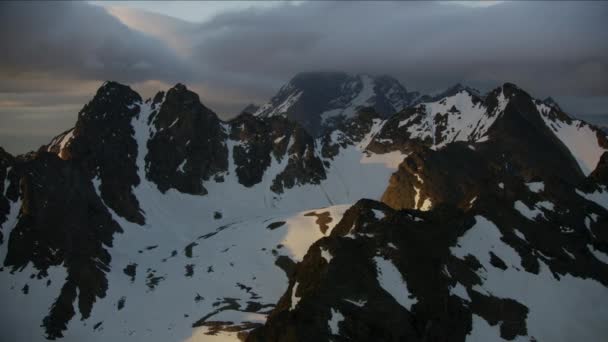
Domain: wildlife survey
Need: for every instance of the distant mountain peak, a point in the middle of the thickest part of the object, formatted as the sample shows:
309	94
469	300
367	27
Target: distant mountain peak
250	108
450	91
549	101
311	98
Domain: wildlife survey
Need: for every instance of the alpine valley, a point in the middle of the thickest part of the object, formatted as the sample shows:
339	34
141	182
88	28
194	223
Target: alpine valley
347	208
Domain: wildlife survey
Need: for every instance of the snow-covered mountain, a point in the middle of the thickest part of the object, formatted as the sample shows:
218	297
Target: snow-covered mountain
316	99
154	220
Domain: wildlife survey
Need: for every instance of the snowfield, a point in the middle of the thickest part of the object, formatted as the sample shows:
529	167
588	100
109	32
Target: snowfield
579	138
188	264
553	302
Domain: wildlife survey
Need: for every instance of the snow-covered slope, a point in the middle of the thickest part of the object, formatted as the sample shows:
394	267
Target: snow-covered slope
213	256
462	116
585	142
213	218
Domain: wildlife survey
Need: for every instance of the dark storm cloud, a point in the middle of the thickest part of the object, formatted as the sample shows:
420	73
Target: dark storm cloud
79	41
549	47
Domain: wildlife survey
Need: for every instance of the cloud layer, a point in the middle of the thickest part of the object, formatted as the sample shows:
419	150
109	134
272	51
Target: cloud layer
59	52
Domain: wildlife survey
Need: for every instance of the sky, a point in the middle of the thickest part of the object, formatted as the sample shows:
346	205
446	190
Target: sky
56	54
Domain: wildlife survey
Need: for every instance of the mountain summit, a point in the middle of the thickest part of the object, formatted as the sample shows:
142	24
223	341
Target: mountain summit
316	99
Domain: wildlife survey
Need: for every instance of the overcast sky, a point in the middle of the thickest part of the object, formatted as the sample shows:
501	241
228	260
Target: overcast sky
55	55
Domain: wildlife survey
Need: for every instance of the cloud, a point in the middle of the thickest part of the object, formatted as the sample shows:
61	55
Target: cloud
79	41
59	53
556	47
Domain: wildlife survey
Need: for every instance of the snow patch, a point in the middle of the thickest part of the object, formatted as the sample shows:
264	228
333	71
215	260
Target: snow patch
599	255
335	318
379	214
534	212
295	299
360	303
326	255
174	122
578	137
536	187
520	235
460	291
180	167
391	281
600	197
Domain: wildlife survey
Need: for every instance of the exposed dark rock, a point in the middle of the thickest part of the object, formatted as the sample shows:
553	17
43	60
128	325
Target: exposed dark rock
275	225
130	270
262	138
286	264
521	128
497	262
188	249
252	155
421	252
322	220
152	281
121	303
103	143
428	174
8	179
59	193
188	145
189	270
303	165
600	174
198	298
347	131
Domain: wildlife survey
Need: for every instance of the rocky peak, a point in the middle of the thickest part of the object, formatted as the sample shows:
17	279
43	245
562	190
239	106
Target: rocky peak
549	101
313	98
103	143
520	128
111	100
180	103
451	91
187	145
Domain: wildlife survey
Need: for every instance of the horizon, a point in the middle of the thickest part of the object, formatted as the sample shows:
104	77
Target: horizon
236	53
17	148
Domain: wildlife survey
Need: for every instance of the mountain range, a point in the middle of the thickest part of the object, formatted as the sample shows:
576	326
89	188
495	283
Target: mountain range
345	208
